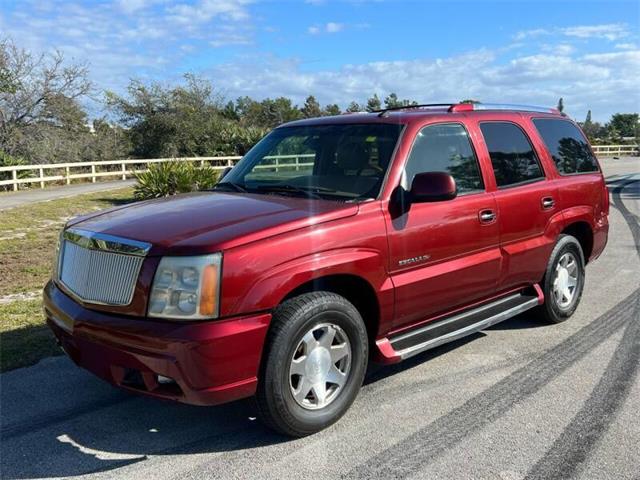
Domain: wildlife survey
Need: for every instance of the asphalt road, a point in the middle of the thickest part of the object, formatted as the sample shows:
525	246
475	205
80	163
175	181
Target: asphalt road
25	197
520	400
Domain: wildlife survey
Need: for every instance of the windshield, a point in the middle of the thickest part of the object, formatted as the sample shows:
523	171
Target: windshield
341	162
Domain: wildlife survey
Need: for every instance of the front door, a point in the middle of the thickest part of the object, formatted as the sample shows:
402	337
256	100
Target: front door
443	254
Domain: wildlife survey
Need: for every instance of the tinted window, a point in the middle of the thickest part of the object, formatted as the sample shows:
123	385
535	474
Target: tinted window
445	148
512	155
567	146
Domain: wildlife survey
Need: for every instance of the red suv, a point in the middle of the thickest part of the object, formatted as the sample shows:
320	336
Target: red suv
334	241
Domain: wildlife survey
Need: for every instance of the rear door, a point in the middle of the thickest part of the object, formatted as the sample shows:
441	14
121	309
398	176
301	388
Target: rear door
443	254
526	202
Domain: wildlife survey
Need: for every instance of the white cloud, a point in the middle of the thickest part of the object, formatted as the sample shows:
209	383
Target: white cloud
205	10
537	32
330	27
626	46
611	31
154	42
558	49
604	83
608	31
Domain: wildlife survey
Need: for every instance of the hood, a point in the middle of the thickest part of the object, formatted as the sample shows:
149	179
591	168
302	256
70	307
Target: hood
206	222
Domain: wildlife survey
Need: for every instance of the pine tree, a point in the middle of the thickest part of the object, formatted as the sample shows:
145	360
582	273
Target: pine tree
560	106
373	103
311	108
354	107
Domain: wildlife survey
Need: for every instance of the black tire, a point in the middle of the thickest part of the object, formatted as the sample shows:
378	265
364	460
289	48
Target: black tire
277	406
552	311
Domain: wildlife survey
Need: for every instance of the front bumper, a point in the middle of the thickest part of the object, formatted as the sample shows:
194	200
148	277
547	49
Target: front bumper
210	362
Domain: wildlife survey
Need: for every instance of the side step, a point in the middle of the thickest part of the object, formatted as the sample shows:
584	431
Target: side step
408	344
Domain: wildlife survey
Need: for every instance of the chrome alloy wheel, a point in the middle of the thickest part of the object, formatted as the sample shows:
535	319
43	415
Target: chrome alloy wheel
565	280
320	366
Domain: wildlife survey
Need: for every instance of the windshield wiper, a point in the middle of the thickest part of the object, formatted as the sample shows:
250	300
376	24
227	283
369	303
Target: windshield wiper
234	186
288	188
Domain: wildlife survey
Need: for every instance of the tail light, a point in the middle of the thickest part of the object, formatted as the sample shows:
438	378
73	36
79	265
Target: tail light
605	198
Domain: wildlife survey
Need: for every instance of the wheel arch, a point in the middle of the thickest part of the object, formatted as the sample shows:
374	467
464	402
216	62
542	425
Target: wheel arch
582	232
355	289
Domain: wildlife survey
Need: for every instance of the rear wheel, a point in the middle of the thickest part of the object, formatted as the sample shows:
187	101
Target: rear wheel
563	280
314	363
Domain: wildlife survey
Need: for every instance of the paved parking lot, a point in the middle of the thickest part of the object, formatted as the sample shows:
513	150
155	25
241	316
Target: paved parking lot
520	400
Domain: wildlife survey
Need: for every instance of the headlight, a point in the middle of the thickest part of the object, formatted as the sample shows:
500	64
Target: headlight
186	288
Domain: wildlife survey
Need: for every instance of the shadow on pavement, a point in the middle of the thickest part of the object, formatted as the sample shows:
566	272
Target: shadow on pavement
60	421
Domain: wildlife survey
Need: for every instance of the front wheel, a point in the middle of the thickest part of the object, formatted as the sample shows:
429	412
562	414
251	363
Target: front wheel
563	280
314	363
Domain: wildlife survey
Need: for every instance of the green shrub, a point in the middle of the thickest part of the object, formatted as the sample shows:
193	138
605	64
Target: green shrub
7	160
170	178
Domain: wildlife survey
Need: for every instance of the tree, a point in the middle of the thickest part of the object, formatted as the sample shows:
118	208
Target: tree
332	109
392	101
354	107
560	106
40	116
183	120
625	124
311	108
593	130
373	103
470	100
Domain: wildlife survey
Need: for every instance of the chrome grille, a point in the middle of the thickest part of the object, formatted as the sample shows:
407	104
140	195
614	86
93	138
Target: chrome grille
91	268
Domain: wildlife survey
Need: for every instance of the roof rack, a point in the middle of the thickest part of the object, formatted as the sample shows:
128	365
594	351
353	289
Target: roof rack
383	112
471	107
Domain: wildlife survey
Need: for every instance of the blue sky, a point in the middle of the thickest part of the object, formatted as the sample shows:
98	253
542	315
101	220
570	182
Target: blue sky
504	51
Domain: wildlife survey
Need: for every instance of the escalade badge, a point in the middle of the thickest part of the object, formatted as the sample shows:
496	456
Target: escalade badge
420	258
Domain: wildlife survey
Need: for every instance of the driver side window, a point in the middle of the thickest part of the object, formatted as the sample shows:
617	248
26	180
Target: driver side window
445	148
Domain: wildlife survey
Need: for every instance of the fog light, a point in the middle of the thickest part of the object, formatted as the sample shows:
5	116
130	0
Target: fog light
162	380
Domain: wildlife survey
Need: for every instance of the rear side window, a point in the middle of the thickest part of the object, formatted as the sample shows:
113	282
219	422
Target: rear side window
567	146
512	155
445	148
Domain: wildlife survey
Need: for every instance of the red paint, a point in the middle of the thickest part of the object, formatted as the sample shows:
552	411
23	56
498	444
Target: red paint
272	245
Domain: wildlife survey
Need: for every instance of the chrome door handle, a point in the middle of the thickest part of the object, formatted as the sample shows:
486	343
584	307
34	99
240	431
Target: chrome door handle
548	202
487	216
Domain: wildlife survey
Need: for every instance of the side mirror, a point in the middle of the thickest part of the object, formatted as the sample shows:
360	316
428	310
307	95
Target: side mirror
433	187
224	173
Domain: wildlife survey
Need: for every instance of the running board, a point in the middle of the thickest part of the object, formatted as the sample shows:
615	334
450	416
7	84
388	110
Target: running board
434	334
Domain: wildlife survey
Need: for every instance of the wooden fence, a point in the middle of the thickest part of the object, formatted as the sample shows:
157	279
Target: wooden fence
123	169
616	150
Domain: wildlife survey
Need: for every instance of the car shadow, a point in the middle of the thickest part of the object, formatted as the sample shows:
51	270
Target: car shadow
85	426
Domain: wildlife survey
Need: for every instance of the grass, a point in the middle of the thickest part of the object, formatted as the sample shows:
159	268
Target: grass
28	236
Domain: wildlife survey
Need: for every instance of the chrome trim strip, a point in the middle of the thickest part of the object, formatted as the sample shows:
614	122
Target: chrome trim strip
106	242
468	330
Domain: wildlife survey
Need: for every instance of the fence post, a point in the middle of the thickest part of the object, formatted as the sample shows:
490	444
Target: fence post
41	177
124	171
68	173
229	162
93	173
14	174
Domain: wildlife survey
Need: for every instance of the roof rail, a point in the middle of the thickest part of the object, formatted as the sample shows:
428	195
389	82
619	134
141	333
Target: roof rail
383	112
471	107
